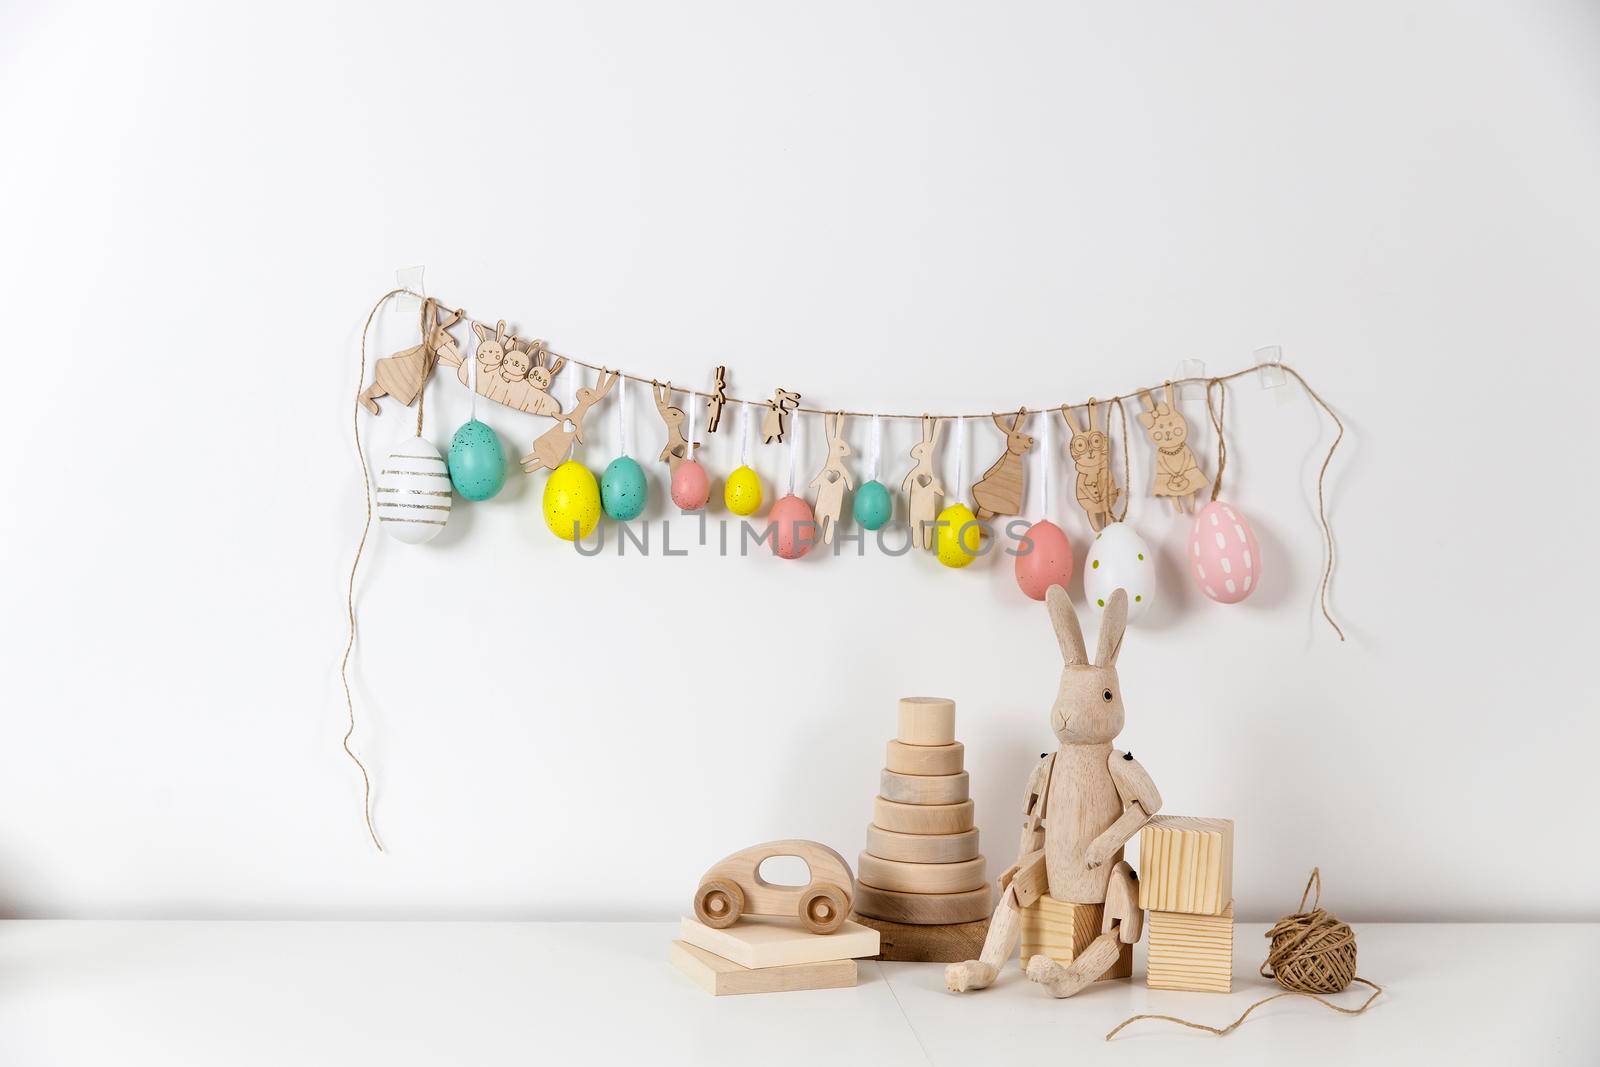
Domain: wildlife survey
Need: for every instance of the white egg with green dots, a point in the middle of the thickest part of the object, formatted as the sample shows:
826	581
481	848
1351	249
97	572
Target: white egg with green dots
1119	559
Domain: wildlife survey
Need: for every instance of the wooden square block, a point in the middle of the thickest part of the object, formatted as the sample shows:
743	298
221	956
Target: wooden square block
1054	928
722	978
916	943
1192	952
759	941
1186	864
927	721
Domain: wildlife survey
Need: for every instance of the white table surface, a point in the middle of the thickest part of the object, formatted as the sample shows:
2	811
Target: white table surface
244	993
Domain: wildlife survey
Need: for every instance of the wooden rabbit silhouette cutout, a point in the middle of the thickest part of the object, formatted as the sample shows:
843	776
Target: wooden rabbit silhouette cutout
403	374
719	397
1083	802
1177	475
677	447
999	491
922	486
774	422
832	480
1091	453
551	447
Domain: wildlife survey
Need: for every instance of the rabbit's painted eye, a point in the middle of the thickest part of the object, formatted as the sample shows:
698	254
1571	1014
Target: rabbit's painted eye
1106	696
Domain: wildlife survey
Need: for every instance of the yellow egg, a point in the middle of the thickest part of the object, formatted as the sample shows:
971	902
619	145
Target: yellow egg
571	501
742	493
957	538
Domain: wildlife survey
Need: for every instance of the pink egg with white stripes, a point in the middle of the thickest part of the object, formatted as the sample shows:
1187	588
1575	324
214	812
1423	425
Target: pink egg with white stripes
1223	553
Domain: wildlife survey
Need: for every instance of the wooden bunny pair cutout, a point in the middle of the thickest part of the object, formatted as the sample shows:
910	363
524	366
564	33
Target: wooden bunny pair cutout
403	374
518	377
832	480
677	448
922	486
1177	475
1090	449
551	449
999	491
1083	803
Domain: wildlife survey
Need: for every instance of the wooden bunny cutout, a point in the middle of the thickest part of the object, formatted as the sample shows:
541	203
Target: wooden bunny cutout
551	448
1177	474
719	397
1091	454
1083	803
774	421
999	491
677	448
403	374
922	486
832	480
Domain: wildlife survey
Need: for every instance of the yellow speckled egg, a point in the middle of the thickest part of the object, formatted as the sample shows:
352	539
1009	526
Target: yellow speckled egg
571	501
742	492
957	538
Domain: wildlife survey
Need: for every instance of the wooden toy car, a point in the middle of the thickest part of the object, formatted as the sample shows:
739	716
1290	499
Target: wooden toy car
734	887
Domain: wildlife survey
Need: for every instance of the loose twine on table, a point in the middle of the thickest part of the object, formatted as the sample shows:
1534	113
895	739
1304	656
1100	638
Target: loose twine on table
1310	952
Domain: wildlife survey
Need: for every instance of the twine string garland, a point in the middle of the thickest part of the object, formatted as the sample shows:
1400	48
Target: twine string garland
1217	414
1309	952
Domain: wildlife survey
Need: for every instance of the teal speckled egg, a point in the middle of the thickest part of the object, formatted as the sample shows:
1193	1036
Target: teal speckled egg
477	461
623	489
873	505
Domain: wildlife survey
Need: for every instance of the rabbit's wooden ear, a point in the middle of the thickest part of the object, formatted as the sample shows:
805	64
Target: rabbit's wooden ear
1068	634
481	330
1113	623
1066	416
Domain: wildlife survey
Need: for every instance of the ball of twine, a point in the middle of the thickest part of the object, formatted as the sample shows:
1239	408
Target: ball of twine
1311	951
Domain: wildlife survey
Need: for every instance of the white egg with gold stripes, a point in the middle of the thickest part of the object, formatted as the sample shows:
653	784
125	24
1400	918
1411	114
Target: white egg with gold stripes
412	492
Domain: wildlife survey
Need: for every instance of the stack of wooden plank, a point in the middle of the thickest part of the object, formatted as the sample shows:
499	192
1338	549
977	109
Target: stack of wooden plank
921	880
1187	890
762	954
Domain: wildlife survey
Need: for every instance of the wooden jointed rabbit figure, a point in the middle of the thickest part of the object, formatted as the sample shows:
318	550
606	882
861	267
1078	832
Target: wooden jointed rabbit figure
832	480
1083	803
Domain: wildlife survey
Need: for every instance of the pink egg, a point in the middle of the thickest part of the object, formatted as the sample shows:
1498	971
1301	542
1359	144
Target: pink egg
794	525
1048	563
690	486
1223	553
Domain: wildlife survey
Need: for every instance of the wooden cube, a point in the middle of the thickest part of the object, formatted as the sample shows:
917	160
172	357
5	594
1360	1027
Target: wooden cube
1186	864
1191	952
722	978
1054	928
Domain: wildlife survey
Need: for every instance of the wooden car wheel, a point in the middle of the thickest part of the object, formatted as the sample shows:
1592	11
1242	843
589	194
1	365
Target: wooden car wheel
823	908
718	902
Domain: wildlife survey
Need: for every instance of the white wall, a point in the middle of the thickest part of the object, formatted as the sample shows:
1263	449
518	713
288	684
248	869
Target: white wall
893	206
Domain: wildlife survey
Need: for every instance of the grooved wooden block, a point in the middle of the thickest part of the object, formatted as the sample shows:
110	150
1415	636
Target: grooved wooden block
759	941
923	909
923	788
922	848
927	721
902	758
1054	928
1186	864
922	818
1193	952
722	978
911	943
919	877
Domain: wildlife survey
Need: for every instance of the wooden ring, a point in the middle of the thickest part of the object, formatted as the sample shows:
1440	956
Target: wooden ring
901	877
923	788
922	848
922	818
923	909
902	758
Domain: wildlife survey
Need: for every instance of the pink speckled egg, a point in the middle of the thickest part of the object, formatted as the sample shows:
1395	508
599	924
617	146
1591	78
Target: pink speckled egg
1223	553
1048	562
690	486
794	525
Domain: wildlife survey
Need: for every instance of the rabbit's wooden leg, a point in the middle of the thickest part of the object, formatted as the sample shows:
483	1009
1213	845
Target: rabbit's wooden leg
997	948
370	397
1090	964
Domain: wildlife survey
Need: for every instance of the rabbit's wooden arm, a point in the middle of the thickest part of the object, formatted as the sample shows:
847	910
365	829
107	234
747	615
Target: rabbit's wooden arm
1033	805
1140	800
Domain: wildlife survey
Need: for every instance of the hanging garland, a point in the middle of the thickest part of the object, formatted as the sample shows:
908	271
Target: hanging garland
414	497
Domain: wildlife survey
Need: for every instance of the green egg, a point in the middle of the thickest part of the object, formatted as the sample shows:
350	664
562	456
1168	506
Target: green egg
477	461
623	489
873	505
